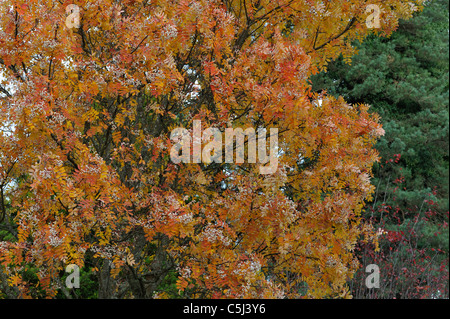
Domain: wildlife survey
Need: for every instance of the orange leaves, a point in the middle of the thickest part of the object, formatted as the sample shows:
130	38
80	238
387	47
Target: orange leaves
92	111
181	284
210	69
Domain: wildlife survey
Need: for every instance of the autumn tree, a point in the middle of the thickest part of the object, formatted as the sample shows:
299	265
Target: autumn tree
86	178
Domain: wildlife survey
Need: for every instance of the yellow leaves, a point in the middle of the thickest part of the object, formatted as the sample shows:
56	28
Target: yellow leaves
345	293
14	280
104	236
126	112
60	172
91	115
201	179
119	64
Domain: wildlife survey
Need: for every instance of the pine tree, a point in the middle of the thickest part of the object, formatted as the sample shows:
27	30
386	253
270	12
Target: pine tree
405	80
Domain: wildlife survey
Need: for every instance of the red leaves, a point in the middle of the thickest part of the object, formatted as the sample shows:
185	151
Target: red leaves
405	263
211	69
123	81
395	236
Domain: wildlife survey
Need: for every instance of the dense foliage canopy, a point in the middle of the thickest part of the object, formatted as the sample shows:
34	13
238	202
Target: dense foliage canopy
86	112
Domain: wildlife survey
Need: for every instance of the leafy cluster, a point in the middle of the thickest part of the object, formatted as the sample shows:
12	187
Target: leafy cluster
85	173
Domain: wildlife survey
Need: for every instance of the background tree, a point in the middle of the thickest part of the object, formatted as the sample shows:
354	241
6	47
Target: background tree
86	113
405	80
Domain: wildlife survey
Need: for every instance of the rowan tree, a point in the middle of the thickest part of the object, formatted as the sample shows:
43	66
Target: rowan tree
86	112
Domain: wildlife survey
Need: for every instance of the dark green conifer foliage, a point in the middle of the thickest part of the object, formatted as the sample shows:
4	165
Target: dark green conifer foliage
405	79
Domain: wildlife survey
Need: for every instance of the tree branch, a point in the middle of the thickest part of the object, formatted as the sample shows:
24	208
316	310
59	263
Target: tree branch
347	28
